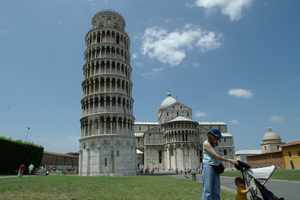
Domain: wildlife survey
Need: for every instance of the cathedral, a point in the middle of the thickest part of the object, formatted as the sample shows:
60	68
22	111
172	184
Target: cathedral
174	142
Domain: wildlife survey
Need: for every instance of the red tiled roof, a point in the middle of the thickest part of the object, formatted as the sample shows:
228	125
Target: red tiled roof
296	142
266	153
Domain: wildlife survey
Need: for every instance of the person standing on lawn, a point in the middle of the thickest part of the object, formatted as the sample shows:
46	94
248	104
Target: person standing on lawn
212	166
30	168
21	170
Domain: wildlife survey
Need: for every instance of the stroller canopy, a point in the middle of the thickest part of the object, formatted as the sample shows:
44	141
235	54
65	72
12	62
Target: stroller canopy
263	173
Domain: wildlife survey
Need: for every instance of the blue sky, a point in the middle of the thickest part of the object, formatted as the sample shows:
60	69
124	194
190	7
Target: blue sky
235	61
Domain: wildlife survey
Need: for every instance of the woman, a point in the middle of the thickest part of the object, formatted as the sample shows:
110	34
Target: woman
211	161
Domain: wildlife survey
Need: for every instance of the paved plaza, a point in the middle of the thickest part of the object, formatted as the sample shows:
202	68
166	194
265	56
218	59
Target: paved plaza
282	188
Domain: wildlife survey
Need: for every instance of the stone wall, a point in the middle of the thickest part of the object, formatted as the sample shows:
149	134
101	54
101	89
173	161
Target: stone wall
266	159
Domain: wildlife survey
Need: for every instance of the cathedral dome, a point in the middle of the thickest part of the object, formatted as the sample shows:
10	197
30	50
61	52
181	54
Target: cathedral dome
270	135
169	100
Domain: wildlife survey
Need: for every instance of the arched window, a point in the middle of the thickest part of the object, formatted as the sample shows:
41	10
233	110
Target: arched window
123	84
118	83
107	66
107	101
98	52
114	101
113	65
113	83
102	101
97	84
97	67
118	67
123	102
98	37
118	39
119	101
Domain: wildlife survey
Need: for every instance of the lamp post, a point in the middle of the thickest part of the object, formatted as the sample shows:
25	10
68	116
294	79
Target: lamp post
27	132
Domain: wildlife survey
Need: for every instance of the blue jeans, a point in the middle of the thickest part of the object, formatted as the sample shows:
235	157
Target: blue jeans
211	183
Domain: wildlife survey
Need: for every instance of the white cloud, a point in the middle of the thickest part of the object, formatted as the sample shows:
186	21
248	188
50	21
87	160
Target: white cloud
240	93
232	8
200	114
171	47
190	5
234	122
278	119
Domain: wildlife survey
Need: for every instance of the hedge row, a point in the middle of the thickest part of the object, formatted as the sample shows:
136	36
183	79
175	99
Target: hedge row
14	153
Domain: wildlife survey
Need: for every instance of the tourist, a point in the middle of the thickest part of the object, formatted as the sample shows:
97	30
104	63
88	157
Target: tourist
241	190
212	166
21	170
30	168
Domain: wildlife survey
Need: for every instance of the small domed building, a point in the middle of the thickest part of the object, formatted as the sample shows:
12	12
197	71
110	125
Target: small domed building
175	141
271	151
271	142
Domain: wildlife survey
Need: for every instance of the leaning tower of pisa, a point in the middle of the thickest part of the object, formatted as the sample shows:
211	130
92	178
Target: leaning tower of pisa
107	144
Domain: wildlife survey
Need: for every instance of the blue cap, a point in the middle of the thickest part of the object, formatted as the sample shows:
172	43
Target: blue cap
216	132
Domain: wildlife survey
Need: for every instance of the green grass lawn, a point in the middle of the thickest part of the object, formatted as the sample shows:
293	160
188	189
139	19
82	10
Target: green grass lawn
104	188
284	174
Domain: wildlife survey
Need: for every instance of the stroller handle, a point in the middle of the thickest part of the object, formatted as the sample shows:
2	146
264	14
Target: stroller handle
242	166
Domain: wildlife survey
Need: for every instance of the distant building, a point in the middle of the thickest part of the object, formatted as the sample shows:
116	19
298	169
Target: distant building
226	148
175	141
270	151
60	161
243	154
291	155
271	142
275	152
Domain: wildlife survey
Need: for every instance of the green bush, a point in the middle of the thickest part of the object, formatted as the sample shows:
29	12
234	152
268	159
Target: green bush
15	152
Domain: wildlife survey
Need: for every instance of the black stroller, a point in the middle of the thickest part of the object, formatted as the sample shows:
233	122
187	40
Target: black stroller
256	179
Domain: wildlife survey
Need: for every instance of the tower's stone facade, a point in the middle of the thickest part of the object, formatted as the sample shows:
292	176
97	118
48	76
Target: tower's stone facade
107	143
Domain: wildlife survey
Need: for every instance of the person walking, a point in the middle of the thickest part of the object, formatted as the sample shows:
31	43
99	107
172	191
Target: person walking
212	166
30	168
21	170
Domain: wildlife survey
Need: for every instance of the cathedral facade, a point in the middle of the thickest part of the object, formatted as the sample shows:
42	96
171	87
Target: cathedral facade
175	141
